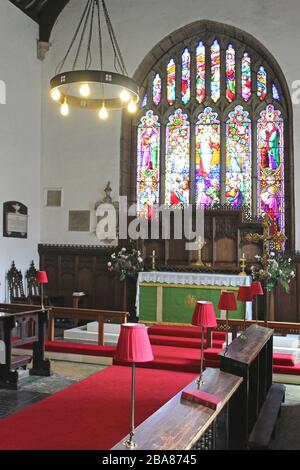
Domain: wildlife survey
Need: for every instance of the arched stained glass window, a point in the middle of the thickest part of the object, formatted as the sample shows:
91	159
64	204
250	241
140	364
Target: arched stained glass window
215	85
261	83
238	158
208	158
270	147
225	129
177	160
171	82
148	163
200	72
246	77
156	89
230	73
186	76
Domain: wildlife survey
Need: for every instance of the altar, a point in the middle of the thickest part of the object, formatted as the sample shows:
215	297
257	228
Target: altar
171	296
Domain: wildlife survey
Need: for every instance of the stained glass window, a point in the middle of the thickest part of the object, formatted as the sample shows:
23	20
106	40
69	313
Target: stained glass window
177	160
270	148
230	73
215	71
208	158
148	153
171	82
261	83
200	72
186	76
144	100
246	77
275	93
238	158
156	89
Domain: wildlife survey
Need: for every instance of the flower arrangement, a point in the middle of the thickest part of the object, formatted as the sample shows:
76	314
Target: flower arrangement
126	263
272	269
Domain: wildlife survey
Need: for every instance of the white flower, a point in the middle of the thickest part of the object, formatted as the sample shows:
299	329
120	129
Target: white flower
139	253
109	264
293	273
123	249
140	260
290	259
272	253
257	256
113	255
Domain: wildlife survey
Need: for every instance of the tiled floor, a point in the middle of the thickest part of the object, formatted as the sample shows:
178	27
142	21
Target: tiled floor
33	388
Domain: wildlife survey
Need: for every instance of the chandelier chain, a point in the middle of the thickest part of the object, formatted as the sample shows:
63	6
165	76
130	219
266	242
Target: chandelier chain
88	59
82	35
118	59
62	63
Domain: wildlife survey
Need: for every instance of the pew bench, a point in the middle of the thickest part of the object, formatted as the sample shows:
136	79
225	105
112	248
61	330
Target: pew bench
264	428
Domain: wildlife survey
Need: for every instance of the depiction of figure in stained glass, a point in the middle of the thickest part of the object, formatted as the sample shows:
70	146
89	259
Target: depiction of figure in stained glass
144	101
275	93
186	76
200	72
271	166
246	77
261	83
171	82
238	158
177	160
148	163
215	71
208	158
156	89
230	73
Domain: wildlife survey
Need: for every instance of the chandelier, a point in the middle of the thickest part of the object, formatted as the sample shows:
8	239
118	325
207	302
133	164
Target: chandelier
85	86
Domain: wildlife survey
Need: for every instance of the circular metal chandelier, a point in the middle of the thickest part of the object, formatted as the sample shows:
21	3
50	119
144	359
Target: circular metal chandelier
85	88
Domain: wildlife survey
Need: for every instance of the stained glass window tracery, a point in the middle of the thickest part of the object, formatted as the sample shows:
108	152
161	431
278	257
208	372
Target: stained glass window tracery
220	136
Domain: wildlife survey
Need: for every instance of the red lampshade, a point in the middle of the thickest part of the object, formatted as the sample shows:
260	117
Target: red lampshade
41	277
227	301
134	344
204	315
256	288
245	294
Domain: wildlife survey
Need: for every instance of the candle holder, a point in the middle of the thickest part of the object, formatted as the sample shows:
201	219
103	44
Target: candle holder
153	266
243	264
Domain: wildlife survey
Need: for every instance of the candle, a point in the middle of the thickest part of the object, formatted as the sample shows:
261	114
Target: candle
153	253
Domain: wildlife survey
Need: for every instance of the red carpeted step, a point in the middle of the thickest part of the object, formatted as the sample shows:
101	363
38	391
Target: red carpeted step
179	359
185	331
290	370
283	359
93	414
180	341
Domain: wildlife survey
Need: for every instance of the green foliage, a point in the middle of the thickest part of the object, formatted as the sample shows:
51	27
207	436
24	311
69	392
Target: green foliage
273	269
126	263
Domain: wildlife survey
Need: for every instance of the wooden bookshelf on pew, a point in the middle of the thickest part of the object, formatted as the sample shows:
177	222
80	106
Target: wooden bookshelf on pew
180	424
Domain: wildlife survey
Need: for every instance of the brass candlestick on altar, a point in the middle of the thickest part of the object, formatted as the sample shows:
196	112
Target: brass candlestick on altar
200	243
243	264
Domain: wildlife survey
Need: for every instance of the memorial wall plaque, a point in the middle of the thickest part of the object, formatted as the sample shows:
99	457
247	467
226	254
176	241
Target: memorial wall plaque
15	219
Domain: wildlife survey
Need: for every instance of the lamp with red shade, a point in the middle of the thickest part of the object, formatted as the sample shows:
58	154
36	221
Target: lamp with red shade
228	303
205	317
244	295
133	346
41	278
256	289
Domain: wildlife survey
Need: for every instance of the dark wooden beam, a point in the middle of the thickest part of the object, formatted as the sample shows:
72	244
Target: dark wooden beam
48	16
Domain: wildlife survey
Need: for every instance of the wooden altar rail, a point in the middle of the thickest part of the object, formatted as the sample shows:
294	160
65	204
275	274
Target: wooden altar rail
101	316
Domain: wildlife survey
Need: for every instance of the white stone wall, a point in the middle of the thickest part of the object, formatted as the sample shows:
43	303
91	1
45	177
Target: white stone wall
20	132
81	153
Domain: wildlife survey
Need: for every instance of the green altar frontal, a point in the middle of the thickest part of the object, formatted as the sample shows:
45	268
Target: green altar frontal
175	303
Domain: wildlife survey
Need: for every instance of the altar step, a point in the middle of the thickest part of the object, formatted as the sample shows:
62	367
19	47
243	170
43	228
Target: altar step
182	342
182	331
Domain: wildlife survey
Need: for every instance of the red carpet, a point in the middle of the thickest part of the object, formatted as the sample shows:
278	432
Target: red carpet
92	414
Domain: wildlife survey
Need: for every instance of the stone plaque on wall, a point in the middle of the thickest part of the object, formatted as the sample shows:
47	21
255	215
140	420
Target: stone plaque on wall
15	219
53	197
79	221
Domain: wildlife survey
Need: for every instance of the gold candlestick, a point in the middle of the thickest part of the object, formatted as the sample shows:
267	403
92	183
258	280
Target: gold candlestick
243	263
200	243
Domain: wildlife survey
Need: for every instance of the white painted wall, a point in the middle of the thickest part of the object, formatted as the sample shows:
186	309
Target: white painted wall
20	133
80	154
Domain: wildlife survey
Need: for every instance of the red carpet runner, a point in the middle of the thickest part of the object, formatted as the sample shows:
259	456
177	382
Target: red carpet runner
92	414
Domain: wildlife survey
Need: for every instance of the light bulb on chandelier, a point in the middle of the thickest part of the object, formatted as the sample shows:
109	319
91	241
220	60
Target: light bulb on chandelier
125	96
84	90
64	110
132	107
103	114
55	94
